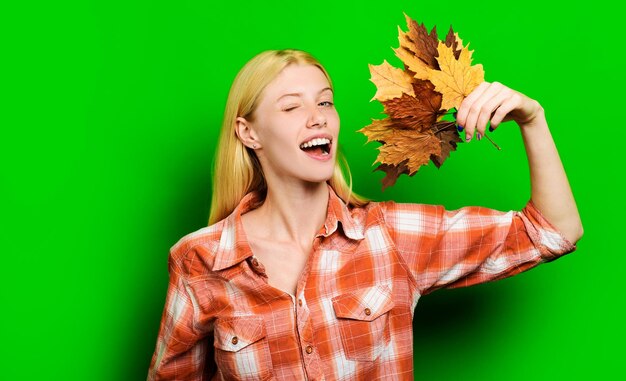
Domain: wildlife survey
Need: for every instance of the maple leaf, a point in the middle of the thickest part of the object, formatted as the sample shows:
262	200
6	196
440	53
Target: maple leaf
400	144
447	135
437	76
378	130
418	48
392	172
391	82
414	146
418	112
419	42
453	41
457	78
445	132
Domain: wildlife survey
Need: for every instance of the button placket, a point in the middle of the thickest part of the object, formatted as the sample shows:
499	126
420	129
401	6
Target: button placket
301	316
303	327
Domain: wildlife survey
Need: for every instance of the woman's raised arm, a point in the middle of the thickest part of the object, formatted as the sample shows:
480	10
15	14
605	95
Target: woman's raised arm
550	190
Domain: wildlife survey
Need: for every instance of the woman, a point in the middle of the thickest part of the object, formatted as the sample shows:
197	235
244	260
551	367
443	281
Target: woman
299	278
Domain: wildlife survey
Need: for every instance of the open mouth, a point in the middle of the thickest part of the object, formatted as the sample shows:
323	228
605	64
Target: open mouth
317	146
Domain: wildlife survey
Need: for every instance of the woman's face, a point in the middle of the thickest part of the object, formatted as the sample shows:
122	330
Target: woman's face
296	126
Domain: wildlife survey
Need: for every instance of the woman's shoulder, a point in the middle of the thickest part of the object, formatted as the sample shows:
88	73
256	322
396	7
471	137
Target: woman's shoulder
385	207
383	213
197	248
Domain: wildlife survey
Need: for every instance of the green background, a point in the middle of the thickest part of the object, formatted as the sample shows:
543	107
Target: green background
109	121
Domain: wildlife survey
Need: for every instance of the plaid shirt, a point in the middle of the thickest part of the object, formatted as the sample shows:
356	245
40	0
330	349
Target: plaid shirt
351	317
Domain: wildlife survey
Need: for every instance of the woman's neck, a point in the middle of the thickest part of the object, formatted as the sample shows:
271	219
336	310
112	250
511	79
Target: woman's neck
293	212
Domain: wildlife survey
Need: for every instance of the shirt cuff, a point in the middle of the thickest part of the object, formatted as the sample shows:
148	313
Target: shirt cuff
547	238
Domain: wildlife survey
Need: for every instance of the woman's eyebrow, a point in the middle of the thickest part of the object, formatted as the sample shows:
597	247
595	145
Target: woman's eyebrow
300	94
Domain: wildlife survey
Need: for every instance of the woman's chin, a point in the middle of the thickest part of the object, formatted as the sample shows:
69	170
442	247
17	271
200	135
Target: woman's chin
318	176
317	179
318	173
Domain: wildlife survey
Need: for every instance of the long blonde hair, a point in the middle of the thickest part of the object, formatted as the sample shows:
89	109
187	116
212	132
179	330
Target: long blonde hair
237	169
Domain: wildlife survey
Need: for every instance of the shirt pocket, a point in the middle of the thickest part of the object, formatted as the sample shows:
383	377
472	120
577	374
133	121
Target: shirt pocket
241	348
363	321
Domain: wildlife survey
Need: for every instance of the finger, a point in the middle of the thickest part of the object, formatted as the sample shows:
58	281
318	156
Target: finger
476	107
488	108
505	108
461	113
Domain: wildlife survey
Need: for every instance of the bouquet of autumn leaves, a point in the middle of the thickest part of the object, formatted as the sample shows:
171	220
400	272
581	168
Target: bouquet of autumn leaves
437	76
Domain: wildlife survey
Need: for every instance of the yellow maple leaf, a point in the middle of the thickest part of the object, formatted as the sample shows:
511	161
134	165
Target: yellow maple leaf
458	40
457	78
417	66
390	82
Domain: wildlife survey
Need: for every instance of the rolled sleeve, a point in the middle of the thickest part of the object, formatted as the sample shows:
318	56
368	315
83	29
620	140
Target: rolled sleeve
471	245
550	242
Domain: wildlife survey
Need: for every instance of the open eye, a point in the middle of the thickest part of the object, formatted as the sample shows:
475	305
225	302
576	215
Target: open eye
327	103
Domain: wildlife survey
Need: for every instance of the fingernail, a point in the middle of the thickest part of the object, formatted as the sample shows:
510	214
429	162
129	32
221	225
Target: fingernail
468	138
478	136
460	128
490	129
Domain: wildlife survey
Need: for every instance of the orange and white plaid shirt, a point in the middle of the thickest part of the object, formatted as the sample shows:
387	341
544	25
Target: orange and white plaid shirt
351	317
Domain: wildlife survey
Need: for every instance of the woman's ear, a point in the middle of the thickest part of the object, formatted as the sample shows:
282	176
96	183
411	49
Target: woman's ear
246	133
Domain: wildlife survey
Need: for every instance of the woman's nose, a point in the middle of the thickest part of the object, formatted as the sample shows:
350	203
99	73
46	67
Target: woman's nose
317	118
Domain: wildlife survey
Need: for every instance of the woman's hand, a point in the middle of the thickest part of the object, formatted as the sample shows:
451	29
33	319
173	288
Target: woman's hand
550	190
498	103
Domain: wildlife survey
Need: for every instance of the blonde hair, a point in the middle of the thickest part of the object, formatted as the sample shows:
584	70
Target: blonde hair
237	170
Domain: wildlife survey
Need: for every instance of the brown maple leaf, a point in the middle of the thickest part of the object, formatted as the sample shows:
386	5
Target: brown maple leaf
453	41
419	42
418	49
418	112
392	172
449	138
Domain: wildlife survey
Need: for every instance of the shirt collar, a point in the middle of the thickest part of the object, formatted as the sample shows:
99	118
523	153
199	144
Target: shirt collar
338	212
234	248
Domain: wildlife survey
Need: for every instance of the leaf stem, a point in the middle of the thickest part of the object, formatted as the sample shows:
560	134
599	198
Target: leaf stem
445	127
494	143
452	111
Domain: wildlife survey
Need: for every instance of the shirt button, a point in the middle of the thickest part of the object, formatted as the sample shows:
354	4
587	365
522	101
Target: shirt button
234	340
367	311
309	349
255	262
300	302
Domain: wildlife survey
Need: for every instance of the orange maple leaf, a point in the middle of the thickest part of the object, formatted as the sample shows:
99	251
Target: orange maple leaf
378	130
412	145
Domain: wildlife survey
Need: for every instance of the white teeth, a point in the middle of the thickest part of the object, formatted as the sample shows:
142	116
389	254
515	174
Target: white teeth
315	142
